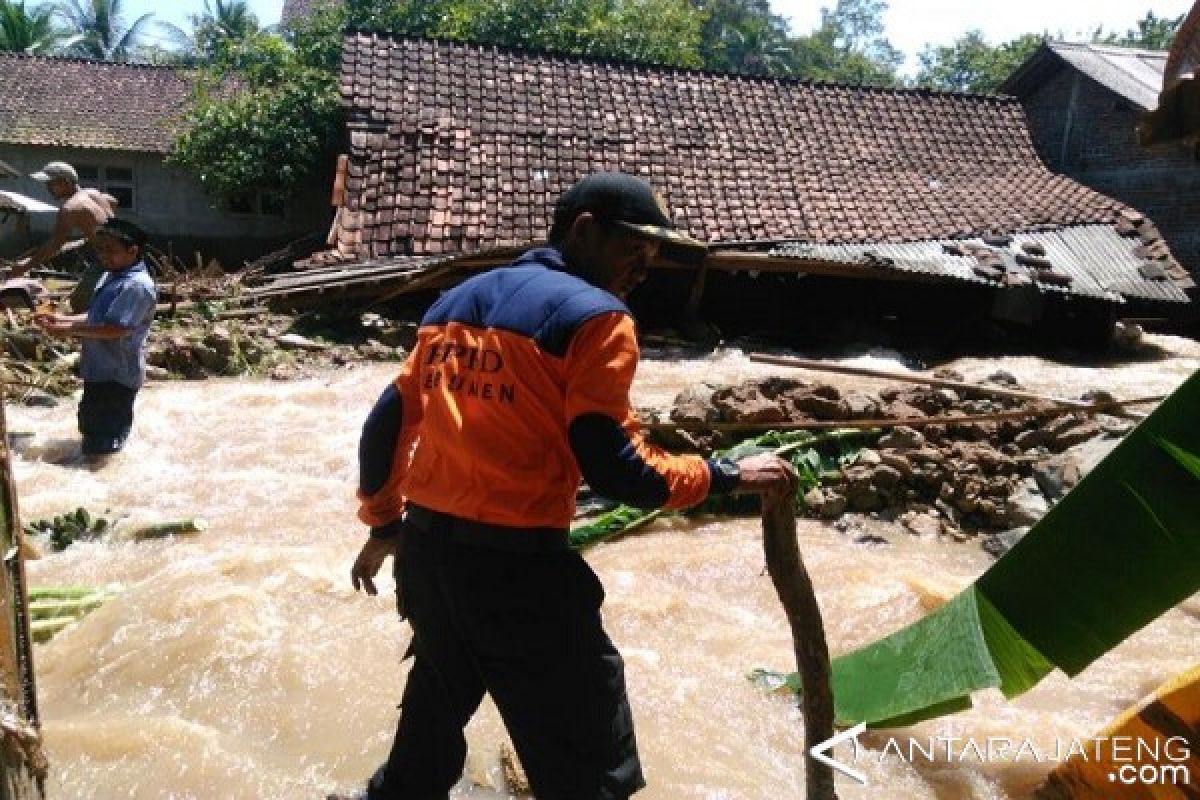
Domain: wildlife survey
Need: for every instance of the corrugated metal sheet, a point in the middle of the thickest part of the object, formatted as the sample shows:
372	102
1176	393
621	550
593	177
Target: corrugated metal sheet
1136	75
1099	260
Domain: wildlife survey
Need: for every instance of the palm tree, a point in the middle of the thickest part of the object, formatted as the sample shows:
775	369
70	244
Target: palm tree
757	49
104	34
224	21
30	30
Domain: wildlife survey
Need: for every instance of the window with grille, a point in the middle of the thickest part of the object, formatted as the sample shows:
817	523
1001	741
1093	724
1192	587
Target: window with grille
116	181
257	202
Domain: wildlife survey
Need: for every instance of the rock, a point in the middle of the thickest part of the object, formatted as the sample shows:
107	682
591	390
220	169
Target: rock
865	498
868	457
693	406
824	503
154	373
1076	434
285	372
899	409
221	341
926	526
997	544
1003	378
898	462
1055	476
294	341
1027	440
947	374
818	407
886	477
210	359
1026	505
746	404
859	405
902	438
776	387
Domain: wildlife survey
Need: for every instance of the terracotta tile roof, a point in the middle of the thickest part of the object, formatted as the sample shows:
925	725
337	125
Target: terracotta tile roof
82	103
459	148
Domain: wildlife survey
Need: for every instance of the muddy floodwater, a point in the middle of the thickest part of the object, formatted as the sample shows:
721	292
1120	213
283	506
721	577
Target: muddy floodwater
239	663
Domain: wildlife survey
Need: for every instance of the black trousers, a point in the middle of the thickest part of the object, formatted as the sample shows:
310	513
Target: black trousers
526	629
105	416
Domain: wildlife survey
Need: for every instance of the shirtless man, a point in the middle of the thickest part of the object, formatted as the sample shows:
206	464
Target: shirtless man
83	211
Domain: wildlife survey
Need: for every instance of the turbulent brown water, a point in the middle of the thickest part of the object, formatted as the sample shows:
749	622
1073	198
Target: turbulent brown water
239	663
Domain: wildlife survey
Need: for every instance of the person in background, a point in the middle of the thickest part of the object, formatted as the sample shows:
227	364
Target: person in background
113	333
518	386
82	212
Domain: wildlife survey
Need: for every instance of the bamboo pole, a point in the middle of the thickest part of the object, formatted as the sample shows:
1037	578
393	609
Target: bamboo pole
908	422
799	600
961	386
23	769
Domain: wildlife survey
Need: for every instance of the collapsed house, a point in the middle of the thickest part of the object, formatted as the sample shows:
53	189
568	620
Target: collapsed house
457	153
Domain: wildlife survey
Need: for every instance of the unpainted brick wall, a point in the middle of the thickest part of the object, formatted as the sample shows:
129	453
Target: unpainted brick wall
1102	152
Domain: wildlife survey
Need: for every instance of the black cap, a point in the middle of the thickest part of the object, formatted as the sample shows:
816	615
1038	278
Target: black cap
626	200
125	231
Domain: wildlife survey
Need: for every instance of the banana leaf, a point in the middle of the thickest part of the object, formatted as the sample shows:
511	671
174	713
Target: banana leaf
799	446
1117	552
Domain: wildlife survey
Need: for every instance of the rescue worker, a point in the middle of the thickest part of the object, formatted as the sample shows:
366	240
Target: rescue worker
82	212
114	332
518	385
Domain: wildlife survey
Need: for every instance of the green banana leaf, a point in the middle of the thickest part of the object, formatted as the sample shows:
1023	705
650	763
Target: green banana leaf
1113	555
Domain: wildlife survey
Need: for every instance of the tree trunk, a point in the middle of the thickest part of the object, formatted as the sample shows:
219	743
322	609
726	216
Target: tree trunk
795	591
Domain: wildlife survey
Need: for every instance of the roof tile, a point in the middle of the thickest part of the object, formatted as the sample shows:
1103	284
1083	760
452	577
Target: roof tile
488	138
95	104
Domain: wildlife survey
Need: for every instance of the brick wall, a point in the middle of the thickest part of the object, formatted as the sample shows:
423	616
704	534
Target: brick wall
1102	152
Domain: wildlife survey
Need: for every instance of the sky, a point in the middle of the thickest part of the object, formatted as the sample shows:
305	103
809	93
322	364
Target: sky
911	24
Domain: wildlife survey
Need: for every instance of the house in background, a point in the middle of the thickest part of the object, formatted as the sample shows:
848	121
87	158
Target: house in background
458	150
1082	103
115	123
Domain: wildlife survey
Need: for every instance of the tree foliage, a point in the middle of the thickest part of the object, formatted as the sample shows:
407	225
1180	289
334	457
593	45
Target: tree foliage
221	22
971	64
1151	32
102	30
33	31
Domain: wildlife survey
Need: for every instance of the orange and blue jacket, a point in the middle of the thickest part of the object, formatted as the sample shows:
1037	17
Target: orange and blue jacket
517	387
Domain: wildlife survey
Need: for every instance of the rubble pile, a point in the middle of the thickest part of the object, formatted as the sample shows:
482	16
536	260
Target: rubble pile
949	478
198	343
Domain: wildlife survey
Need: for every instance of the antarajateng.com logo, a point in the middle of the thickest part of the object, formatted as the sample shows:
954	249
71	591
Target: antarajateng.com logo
1128	760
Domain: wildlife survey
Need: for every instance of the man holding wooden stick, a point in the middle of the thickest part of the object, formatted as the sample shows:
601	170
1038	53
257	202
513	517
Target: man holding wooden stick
518	386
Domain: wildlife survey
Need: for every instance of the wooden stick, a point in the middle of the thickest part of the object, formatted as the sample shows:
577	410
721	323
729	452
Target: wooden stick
962	386
910	422
799	600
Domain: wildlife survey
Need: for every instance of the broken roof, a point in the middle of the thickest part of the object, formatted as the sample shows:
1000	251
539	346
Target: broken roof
459	148
74	102
1136	75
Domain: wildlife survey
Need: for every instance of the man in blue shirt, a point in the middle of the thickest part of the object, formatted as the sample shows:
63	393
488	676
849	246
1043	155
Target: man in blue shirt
113	333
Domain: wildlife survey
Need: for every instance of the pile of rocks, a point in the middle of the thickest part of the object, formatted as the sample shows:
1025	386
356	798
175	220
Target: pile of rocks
949	478
264	346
